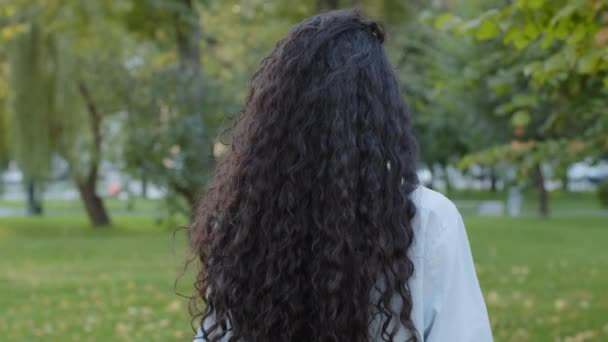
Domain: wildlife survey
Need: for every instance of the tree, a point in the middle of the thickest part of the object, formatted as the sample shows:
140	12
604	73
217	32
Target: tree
169	117
30	78
176	104
4	130
554	90
61	56
443	94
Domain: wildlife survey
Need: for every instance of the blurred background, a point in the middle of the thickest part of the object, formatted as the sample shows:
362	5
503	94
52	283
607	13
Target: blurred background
111	120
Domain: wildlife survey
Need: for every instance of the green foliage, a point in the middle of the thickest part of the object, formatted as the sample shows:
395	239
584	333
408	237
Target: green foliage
477	77
30	80
602	193
71	138
4	130
173	134
167	142
62	59
545	71
172	110
4	155
448	91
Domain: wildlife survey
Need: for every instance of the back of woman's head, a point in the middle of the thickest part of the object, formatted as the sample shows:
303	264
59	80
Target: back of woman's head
304	231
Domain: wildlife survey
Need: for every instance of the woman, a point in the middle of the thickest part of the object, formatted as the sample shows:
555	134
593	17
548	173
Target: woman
314	227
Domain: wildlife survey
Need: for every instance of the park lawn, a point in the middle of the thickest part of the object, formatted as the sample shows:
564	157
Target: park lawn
561	203
68	207
64	281
544	280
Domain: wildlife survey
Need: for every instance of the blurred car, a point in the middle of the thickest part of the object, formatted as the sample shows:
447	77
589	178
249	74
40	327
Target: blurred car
585	171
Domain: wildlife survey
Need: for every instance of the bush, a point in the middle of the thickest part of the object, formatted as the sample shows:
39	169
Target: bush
602	193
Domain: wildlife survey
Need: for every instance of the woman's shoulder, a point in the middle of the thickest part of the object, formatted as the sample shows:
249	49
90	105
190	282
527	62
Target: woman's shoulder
437	220
438	229
432	203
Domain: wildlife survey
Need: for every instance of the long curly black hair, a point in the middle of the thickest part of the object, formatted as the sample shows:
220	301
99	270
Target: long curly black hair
303	234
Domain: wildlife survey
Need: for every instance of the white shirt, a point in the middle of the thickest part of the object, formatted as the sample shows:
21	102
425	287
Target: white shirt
448	304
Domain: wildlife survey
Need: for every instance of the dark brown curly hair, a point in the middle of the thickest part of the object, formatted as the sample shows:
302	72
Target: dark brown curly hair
303	234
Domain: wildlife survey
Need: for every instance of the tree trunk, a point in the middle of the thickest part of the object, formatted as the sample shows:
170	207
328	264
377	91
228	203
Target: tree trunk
34	207
191	195
144	186
565	182
493	179
543	196
446	176
188	35
93	203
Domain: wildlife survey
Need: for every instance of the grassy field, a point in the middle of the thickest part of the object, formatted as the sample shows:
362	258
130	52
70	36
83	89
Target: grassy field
60	207
544	280
64	281
561	203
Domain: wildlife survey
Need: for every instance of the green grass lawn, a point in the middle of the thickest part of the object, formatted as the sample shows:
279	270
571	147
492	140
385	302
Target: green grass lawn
60	207
544	280
64	281
560	203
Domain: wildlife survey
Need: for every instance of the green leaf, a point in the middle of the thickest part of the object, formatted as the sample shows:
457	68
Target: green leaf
511	35
563	13
524	100
549	122
519	101
470	25
446	21
521	42
504	109
548	40
517	37
562	30
556	62
587	64
535	4
532	4
521	118
579	33
487	30
531	30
